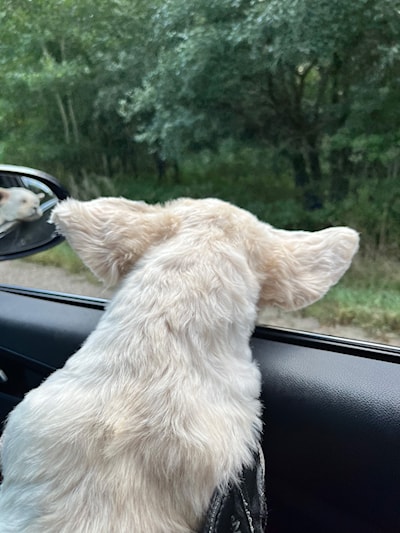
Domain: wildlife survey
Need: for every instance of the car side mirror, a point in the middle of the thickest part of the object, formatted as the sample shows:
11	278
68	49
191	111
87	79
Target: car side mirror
27	197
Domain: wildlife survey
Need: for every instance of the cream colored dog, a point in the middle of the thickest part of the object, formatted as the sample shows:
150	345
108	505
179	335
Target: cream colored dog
160	405
18	203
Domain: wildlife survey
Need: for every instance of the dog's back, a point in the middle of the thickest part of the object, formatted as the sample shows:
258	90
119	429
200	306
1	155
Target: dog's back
160	406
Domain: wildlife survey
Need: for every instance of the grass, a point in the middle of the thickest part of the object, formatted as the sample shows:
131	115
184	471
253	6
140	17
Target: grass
64	257
368	297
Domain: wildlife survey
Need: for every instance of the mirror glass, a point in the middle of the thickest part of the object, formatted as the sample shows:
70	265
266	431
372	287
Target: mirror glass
26	201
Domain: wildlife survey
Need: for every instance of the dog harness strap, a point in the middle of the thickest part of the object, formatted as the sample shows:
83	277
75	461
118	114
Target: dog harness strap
242	508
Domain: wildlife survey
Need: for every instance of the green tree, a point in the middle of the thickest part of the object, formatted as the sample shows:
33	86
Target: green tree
281	72
63	69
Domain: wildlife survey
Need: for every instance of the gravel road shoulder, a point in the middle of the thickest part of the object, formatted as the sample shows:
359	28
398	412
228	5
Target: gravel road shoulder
56	279
50	278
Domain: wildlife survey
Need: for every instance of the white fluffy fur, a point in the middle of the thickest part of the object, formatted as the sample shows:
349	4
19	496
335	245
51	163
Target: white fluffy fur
160	405
18	203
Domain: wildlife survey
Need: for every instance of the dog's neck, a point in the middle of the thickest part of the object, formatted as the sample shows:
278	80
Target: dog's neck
169	309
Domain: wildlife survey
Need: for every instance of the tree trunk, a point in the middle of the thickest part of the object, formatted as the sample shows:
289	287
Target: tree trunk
161	166
301	176
72	116
340	169
307	187
64	118
314	160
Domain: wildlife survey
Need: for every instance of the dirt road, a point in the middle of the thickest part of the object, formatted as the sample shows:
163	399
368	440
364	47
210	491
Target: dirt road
49	278
56	279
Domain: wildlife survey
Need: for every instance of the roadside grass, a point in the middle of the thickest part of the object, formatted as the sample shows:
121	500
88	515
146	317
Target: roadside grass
368	296
61	256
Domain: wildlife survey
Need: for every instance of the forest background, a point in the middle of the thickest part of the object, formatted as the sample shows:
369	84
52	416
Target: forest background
288	108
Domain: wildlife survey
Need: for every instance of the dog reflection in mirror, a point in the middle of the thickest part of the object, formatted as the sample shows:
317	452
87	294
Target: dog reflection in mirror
161	404
18	204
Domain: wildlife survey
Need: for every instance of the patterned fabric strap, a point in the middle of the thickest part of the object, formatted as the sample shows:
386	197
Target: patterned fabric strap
242	508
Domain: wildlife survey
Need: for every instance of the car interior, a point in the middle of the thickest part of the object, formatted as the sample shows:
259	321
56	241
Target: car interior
330	406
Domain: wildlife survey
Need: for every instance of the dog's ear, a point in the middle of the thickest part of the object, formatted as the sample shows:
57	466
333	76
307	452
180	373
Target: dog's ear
111	234
4	195
299	267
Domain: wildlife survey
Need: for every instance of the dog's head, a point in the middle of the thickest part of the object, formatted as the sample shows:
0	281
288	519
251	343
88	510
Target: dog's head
293	268
18	203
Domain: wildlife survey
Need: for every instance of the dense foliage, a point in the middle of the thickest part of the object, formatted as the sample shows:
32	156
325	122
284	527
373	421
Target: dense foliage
293	104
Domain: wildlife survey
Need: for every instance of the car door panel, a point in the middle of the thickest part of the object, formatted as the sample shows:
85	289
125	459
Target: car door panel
332	434
36	337
48	331
331	411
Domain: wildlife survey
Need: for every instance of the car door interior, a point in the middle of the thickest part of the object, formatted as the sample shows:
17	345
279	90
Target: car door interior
331	411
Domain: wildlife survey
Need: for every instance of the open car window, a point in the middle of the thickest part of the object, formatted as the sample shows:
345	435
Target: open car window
288	111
